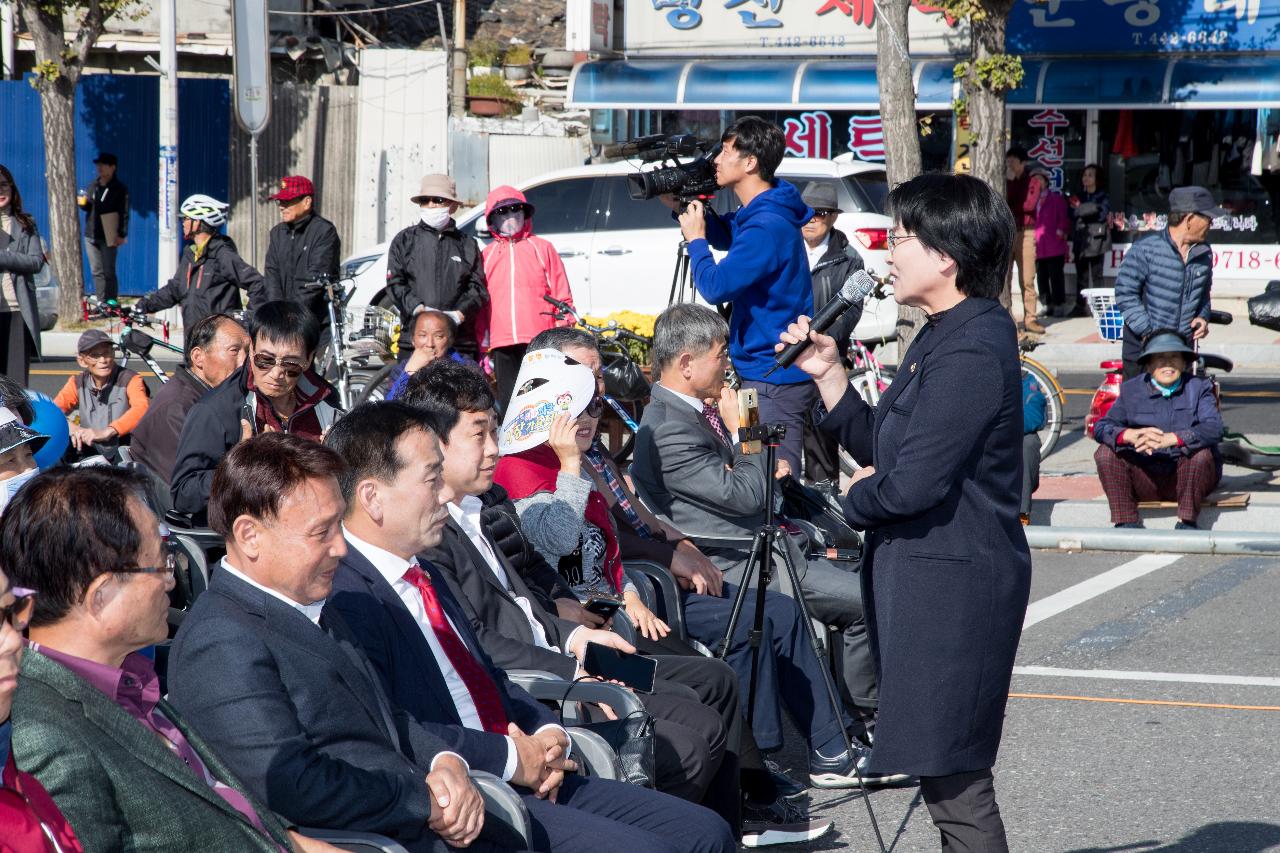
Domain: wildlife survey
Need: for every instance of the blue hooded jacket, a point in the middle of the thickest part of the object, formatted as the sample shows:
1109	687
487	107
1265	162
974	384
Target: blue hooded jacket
765	277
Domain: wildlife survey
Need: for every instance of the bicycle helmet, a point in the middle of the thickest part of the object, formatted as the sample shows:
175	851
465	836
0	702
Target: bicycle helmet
206	209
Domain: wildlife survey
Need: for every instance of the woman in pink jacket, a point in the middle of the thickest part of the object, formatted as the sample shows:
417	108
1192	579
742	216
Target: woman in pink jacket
520	269
1053	225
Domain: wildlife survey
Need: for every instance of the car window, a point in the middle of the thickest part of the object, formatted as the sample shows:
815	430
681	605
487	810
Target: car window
872	187
561	207
848	203
623	213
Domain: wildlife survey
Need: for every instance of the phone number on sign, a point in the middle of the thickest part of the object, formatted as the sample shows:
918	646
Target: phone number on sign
1247	262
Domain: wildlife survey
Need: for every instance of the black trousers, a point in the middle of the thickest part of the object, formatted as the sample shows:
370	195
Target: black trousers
14	348
1051	281
963	807
1130	349
506	369
821	453
102	267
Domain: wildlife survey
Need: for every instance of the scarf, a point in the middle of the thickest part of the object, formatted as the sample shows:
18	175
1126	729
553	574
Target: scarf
1167	391
535	470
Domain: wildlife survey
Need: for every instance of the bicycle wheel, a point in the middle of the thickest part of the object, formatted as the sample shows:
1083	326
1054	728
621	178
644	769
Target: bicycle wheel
863	381
1054	404
369	386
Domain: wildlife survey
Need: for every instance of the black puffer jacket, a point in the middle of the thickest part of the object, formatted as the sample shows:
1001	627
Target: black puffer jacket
209	284
436	269
500	520
298	253
840	261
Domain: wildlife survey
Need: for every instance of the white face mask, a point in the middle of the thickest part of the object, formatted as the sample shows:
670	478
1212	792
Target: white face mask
435	217
9	487
509	224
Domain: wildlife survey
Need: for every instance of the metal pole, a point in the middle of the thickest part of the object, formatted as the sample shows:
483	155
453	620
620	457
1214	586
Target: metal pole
169	242
6	38
1154	541
253	198
459	58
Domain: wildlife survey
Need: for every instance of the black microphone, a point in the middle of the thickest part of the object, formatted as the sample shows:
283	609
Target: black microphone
857	287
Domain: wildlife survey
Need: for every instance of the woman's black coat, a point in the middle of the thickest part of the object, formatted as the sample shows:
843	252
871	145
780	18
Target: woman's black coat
947	571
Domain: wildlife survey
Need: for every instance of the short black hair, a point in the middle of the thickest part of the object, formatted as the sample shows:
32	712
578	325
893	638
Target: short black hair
1017	151
203	333
14	398
64	529
559	337
256	475
444	390
752	136
366	440
282	321
963	218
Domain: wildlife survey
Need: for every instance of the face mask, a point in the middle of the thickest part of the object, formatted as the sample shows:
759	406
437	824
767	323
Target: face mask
509	224
12	485
435	217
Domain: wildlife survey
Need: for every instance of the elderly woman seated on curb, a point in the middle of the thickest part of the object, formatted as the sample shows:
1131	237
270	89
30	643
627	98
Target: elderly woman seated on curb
1160	439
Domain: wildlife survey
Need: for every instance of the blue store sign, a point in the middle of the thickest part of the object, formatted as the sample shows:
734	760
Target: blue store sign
1047	27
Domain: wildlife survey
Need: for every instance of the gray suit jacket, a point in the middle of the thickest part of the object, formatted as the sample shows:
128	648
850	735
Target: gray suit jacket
684	471
118	784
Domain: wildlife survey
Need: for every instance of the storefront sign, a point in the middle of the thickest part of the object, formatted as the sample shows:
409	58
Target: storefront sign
1249	261
1140	26
810	135
786	27
1050	149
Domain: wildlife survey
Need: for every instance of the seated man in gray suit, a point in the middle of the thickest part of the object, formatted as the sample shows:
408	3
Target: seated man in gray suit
121	763
286	697
689	468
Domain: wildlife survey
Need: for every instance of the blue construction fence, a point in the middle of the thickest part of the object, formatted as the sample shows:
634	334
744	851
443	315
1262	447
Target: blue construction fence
120	113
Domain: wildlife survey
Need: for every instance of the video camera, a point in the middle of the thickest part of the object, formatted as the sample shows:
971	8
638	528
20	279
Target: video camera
686	181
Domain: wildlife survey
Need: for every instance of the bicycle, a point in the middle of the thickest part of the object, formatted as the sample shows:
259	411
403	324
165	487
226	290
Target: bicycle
346	365
623	379
131	340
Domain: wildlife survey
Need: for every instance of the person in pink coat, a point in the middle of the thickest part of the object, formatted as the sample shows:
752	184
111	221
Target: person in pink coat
1053	225
520	270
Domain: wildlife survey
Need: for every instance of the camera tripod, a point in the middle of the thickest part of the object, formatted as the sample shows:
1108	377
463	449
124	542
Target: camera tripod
681	277
761	560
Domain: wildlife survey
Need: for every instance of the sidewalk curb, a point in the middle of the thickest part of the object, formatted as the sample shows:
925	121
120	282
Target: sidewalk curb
1252	543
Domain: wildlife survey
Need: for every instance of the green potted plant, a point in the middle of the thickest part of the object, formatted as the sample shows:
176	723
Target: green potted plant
489	95
518	62
484	55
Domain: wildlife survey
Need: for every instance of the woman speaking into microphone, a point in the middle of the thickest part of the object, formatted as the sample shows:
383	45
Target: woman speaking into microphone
946	571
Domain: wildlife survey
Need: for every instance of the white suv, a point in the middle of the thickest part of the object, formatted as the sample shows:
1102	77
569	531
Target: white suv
620	253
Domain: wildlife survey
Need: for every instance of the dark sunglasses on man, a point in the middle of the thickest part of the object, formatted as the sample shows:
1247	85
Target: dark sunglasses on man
18	612
265	362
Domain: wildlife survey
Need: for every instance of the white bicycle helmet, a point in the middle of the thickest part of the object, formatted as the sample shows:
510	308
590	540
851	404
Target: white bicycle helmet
203	208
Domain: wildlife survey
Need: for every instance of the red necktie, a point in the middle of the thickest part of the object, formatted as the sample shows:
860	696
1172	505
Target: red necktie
483	690
712	414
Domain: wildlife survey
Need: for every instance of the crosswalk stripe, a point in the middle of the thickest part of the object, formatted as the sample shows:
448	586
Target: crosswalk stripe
1095	586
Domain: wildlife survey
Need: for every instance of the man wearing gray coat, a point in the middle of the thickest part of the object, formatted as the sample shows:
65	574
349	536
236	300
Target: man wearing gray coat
21	257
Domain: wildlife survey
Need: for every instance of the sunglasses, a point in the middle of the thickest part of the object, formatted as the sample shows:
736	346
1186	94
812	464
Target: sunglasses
170	563
266	363
18	613
595	407
437	201
821	214
510	208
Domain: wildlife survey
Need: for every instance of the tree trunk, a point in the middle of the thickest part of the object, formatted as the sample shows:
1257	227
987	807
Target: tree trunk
986	107
898	114
57	100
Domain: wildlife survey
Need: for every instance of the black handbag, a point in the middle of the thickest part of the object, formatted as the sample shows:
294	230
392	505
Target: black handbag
631	737
623	379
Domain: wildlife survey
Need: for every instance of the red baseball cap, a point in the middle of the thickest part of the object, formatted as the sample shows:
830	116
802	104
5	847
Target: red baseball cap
294	186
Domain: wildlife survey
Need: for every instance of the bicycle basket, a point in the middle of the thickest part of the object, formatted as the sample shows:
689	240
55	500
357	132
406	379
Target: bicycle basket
372	322
1102	305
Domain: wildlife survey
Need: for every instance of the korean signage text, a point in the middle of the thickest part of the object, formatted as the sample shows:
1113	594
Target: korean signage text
1140	26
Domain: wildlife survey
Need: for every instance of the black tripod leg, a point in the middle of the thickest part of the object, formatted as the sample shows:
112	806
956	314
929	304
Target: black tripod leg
828	680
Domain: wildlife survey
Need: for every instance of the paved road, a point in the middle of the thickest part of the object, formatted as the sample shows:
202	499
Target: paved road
1098	756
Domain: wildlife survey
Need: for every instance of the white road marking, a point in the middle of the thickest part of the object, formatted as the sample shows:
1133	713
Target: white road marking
1126	675
1093	587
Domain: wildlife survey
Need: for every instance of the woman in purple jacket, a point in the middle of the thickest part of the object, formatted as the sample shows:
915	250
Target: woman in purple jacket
1053	224
1159	441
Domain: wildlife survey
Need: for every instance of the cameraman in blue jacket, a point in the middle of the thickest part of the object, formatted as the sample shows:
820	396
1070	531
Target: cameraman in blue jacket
765	276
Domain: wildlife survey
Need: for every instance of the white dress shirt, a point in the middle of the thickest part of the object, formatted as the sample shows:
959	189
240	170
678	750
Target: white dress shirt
815	253
393	569
311	611
692	401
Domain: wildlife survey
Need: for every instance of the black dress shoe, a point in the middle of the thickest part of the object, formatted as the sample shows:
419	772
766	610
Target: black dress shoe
848	770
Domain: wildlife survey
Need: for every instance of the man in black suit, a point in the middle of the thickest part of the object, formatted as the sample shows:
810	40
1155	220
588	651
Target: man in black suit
421	644
285	697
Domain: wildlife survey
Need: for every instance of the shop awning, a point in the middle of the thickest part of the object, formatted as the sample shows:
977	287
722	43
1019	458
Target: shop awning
1240	82
748	84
